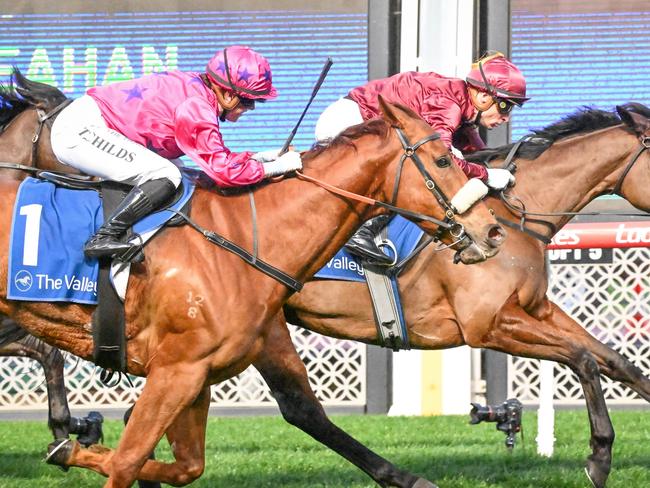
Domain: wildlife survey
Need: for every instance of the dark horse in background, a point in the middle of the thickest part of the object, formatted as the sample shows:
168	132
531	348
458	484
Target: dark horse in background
560	170
26	111
183	353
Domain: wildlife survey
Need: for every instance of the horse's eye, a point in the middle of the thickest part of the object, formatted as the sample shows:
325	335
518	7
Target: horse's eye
443	162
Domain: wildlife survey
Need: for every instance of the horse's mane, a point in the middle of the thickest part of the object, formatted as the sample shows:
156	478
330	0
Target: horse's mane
584	120
20	94
375	126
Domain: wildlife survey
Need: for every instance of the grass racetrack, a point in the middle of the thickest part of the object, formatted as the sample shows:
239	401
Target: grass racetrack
267	452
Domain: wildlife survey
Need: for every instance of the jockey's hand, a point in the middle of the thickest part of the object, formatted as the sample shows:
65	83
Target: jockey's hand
289	161
499	179
266	156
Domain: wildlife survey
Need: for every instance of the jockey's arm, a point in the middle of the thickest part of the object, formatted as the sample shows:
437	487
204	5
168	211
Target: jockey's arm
467	139
446	121
198	136
471	170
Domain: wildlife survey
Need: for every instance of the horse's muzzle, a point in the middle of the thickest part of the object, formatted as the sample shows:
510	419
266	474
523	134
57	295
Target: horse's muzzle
496	236
479	252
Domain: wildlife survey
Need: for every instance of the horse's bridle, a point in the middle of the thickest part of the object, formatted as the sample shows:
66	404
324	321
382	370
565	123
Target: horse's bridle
42	118
449	223
645	145
457	230
521	207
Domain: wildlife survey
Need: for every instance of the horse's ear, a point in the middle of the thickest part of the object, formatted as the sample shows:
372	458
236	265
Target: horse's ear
635	121
390	112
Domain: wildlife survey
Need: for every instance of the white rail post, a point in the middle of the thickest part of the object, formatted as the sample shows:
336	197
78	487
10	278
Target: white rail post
546	412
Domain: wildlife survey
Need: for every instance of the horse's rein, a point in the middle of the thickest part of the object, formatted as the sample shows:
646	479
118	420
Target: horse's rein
371	201
520	207
455	228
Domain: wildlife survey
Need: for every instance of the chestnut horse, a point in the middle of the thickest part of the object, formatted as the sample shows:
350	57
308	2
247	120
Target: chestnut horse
501	304
184	337
560	170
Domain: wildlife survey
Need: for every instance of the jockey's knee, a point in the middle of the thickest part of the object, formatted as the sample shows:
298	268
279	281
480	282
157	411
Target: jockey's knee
168	171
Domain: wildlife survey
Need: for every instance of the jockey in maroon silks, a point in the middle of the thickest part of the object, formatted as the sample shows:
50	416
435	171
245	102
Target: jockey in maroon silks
131	131
453	107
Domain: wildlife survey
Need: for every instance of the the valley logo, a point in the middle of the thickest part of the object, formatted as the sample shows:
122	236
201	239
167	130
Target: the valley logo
23	280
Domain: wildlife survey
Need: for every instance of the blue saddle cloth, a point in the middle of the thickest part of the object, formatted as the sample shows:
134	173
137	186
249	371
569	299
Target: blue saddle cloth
49	228
404	235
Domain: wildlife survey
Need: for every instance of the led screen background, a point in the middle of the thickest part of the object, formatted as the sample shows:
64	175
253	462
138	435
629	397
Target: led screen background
579	53
75	49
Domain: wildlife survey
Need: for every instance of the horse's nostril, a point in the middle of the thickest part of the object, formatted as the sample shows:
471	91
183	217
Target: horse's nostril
496	233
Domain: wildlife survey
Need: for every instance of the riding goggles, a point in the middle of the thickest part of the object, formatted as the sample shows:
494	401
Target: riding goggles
504	107
247	103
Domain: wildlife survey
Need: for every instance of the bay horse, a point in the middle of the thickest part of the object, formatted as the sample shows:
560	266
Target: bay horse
184	337
501	304
27	109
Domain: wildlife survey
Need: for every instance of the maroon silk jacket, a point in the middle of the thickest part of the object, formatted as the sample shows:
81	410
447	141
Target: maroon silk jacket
443	102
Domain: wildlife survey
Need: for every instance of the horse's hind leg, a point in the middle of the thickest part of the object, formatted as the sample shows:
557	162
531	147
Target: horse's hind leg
615	366
286	375
559	338
52	362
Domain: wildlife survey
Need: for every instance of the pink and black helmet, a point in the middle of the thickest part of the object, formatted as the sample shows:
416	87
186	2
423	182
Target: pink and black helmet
243	71
499	77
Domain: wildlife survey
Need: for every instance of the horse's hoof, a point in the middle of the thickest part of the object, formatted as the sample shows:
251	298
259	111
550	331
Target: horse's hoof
59	452
422	483
596	475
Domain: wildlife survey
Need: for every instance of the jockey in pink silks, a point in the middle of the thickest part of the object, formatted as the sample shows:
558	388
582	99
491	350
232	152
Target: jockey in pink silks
453	107
130	131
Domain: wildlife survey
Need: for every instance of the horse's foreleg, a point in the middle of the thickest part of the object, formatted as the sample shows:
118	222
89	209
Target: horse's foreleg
52	362
186	437
559	338
169	391
152	455
285	374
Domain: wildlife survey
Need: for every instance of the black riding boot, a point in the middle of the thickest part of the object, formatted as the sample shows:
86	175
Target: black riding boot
138	203
362	243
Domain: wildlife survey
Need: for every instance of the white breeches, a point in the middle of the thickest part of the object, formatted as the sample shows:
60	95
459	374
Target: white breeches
81	139
336	118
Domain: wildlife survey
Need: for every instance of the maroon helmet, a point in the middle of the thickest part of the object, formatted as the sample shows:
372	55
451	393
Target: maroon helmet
499	77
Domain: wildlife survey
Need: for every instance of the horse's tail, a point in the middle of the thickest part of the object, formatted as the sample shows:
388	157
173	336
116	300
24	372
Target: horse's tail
21	94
